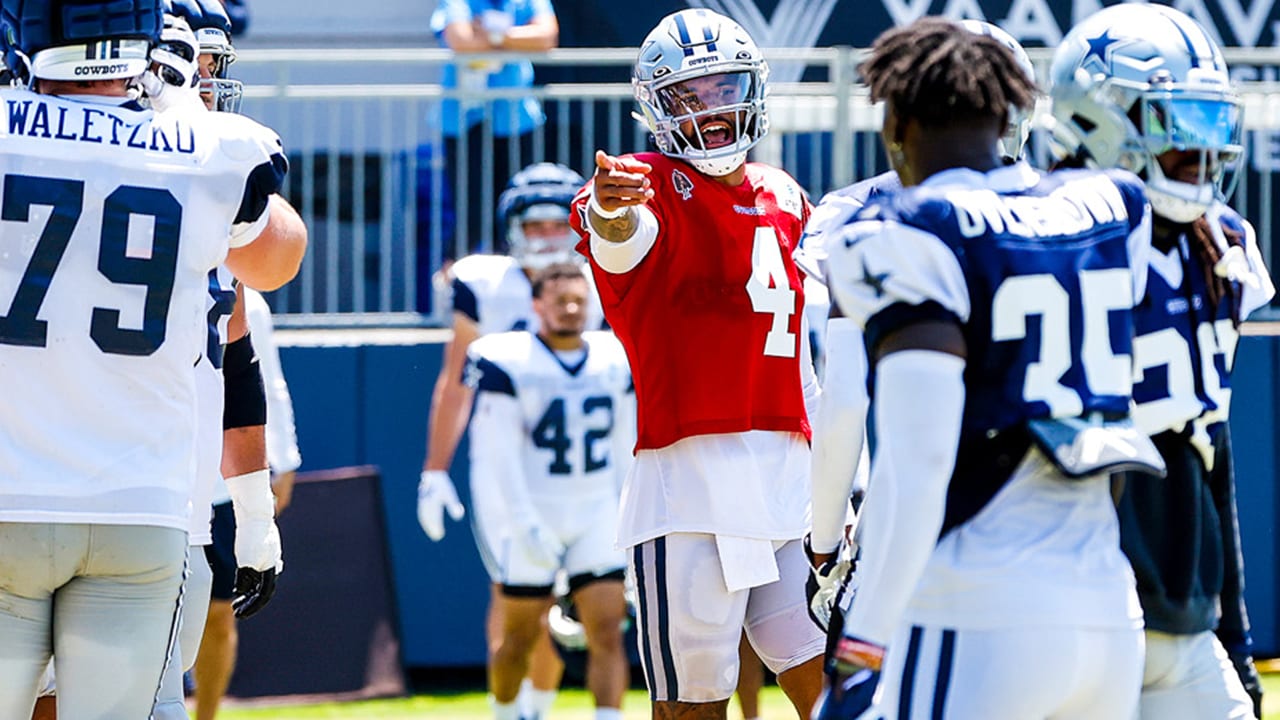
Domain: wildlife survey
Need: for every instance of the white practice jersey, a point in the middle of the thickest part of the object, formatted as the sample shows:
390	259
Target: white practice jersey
555	430
495	293
111	218
210	400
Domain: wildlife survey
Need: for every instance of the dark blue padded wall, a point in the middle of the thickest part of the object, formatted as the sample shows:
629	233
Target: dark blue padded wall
1254	434
368	405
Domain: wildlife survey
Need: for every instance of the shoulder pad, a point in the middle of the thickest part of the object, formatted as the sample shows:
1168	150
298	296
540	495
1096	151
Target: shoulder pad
1231	219
880	263
480	268
1133	190
788	193
242	139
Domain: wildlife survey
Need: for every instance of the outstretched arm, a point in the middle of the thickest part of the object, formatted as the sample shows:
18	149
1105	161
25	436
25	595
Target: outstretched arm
839	429
919	403
450	407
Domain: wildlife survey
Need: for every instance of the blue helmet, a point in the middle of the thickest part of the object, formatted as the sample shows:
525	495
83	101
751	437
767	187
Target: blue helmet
541	191
212	26
79	39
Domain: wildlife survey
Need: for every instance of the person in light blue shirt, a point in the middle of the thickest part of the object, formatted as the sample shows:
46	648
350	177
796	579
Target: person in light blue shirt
488	26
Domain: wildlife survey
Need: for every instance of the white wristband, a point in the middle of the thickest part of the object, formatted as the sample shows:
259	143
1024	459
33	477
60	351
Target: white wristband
251	495
614	214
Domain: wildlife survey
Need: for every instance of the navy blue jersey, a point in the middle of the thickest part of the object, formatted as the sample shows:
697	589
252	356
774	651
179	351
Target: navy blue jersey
1041	272
831	214
1185	343
1180	533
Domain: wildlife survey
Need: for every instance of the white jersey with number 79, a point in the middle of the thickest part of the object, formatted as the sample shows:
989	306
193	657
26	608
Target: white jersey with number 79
111	217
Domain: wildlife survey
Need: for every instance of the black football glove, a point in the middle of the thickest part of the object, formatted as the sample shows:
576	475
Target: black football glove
254	589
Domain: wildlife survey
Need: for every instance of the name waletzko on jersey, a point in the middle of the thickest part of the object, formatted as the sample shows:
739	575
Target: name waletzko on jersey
37	118
104	282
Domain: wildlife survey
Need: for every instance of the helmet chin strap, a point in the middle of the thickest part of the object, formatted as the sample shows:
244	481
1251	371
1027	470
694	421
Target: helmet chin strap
1179	210
721	166
1174	200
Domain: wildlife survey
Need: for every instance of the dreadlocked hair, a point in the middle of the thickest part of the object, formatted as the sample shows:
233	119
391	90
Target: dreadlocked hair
1200	238
936	72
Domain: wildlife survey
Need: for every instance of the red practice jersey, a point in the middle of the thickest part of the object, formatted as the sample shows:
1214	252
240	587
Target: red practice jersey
710	318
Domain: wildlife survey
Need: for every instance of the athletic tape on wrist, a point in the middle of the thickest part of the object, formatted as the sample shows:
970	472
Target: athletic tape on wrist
614	214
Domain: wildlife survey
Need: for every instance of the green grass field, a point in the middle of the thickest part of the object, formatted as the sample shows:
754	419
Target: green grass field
570	705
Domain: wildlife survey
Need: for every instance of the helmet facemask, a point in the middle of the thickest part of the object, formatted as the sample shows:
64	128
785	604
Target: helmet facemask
219	92
1014	141
541	250
1203	125
710	120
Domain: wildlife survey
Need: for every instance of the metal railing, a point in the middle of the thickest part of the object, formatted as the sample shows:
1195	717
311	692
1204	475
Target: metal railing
368	172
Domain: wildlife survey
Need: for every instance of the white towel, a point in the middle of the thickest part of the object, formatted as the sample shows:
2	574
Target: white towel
746	562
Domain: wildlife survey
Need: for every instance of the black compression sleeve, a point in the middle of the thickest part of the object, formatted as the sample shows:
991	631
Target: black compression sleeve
243	391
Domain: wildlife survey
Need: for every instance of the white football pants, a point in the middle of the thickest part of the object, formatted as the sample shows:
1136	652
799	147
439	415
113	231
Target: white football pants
1025	673
104	599
1190	677
172	704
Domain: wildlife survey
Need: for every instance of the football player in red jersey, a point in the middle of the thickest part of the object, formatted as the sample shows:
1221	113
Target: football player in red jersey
691	252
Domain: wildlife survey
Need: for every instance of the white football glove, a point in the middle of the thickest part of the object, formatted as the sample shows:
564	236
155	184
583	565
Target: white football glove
435	495
173	79
827	583
257	538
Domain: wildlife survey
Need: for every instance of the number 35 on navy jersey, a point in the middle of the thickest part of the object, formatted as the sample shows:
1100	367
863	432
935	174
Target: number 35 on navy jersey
1041	271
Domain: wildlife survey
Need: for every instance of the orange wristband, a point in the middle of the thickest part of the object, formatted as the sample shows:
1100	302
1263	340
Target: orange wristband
856	653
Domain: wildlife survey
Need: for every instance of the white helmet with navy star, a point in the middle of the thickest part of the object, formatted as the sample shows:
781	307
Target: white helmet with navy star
700	82
1132	82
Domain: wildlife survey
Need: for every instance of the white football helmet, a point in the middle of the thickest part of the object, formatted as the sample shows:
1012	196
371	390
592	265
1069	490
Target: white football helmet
700	69
1133	82
1014	142
212	27
77	40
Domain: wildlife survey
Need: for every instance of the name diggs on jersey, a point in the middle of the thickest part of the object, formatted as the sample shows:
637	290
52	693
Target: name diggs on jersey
90	124
1073	208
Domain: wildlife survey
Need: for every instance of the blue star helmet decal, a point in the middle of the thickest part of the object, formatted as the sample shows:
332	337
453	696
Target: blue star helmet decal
1100	48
